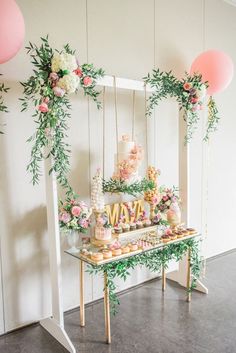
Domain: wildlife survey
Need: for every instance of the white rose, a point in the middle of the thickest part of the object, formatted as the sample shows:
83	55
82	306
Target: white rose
69	83
63	61
201	93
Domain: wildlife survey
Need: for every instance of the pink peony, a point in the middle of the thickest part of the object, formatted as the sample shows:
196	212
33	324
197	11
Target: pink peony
87	81
168	231
76	210
43	107
58	91
187	86
64	217
54	76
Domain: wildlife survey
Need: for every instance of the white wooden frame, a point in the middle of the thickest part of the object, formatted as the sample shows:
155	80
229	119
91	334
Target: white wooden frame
55	324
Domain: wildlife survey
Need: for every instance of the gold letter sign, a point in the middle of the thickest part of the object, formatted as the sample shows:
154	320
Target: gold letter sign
117	210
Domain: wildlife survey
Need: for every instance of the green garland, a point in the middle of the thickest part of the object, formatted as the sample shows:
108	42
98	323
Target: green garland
152	260
56	74
189	93
3	107
120	186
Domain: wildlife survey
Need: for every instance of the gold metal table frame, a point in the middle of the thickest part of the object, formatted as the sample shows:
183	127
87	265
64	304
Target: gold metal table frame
83	260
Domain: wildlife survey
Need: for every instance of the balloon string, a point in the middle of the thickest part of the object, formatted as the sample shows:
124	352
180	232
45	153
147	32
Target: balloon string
103	132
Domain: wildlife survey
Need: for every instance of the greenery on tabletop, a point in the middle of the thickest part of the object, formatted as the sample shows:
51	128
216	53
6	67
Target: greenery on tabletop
3	107
189	93
121	186
152	260
56	75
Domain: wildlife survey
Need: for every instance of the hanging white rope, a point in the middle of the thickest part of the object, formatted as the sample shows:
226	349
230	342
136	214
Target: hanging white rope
133	116
103	131
116	115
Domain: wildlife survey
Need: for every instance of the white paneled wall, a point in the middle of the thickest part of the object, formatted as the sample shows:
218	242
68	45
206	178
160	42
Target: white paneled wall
126	38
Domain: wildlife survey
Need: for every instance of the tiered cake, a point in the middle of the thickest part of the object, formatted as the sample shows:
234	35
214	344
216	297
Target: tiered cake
127	160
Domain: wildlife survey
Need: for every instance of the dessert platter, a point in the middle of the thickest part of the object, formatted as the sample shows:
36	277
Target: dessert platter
131	245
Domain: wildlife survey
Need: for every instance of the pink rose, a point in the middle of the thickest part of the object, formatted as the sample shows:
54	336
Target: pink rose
168	231
87	81
43	107
78	72
46	100
76	210
54	76
64	217
58	91
194	100
187	86
165	198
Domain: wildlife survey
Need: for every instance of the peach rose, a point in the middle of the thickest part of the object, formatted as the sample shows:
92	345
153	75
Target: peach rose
87	81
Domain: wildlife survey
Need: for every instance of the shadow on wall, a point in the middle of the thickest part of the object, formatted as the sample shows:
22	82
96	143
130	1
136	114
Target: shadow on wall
24	249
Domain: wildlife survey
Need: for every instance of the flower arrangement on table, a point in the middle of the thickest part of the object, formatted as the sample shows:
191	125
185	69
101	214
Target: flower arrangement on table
57	74
74	215
3	107
168	197
189	92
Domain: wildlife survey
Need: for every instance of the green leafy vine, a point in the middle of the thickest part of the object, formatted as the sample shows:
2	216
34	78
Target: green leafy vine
120	186
189	93
3	107
152	260
56	74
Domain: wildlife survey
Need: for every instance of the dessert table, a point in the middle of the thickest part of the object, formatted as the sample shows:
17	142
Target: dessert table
86	259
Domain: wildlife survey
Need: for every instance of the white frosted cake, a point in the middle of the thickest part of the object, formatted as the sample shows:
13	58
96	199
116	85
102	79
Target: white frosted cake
127	160
102	233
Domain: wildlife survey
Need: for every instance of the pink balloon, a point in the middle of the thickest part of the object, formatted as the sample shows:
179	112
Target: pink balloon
12	29
216	67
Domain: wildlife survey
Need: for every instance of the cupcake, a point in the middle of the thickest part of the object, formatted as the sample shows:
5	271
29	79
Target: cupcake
179	234
126	227
173	236
139	224
147	223
118	229
133	226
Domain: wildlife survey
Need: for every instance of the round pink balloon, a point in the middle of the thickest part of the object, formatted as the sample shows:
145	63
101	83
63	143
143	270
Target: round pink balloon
12	29
216	67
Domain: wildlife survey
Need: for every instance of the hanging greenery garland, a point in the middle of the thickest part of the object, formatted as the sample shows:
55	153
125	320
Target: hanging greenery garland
136	188
56	75
153	260
3	107
189	92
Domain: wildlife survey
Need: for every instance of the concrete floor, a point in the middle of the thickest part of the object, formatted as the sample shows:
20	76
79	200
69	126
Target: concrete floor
151	322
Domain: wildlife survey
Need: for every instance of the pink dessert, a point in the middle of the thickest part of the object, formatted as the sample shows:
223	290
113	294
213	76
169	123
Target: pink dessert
102	233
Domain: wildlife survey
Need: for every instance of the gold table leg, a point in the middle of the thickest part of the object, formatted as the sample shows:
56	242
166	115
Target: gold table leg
163	279
82	313
188	275
107	310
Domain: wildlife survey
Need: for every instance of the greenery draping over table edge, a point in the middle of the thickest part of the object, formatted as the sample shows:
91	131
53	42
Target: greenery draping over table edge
120	186
152	260
3	107
167	85
51	128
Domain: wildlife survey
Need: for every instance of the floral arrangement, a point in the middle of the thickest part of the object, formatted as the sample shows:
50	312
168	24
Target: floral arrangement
103	221
128	167
3	108
56	75
168	198
74	215
189	92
